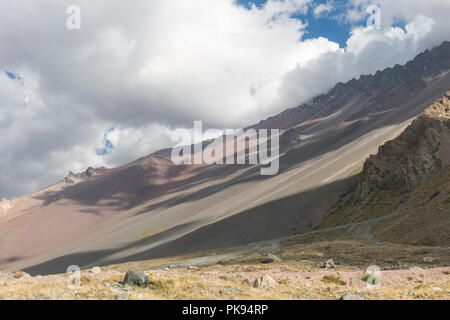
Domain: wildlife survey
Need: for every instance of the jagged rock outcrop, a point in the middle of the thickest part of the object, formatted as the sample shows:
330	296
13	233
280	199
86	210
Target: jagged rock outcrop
411	158
73	178
381	89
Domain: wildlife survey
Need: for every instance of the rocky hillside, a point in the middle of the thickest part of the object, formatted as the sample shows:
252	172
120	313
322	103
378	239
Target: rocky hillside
402	194
410	159
152	208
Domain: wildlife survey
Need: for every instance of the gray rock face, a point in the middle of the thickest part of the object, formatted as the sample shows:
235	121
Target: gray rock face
350	297
136	278
411	158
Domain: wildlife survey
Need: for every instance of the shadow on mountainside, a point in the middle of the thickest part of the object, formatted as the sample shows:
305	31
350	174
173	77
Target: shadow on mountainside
129	186
291	215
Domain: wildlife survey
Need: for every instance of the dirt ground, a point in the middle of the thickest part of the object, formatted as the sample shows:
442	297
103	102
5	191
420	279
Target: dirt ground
294	265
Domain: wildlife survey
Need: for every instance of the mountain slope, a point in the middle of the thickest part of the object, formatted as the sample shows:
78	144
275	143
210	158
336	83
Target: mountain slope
153	208
408	181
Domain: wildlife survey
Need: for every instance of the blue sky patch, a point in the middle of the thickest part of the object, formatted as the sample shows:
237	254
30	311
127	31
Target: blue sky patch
12	75
108	145
329	25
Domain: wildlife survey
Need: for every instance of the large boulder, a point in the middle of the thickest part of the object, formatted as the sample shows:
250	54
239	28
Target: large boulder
136	278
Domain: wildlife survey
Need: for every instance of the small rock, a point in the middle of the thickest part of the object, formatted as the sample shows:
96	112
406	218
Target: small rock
192	268
95	270
136	278
270	257
329	264
389	261
247	281
21	274
437	289
429	259
350	297
122	296
267	282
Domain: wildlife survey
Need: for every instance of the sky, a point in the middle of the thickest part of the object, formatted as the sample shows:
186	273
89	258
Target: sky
323	18
115	89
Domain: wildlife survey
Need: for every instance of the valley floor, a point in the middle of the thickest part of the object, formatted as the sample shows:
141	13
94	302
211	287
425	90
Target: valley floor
295	265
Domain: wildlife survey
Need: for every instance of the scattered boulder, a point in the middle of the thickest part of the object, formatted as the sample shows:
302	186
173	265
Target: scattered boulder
429	259
329	264
412	293
437	289
265	281
270	257
121	296
136	278
21	274
350	297
95	270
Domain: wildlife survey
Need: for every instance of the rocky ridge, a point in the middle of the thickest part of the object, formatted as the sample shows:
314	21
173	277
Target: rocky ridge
73	178
411	158
381	86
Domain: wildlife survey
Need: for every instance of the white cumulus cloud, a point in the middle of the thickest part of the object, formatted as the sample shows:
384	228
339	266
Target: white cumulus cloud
148	67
